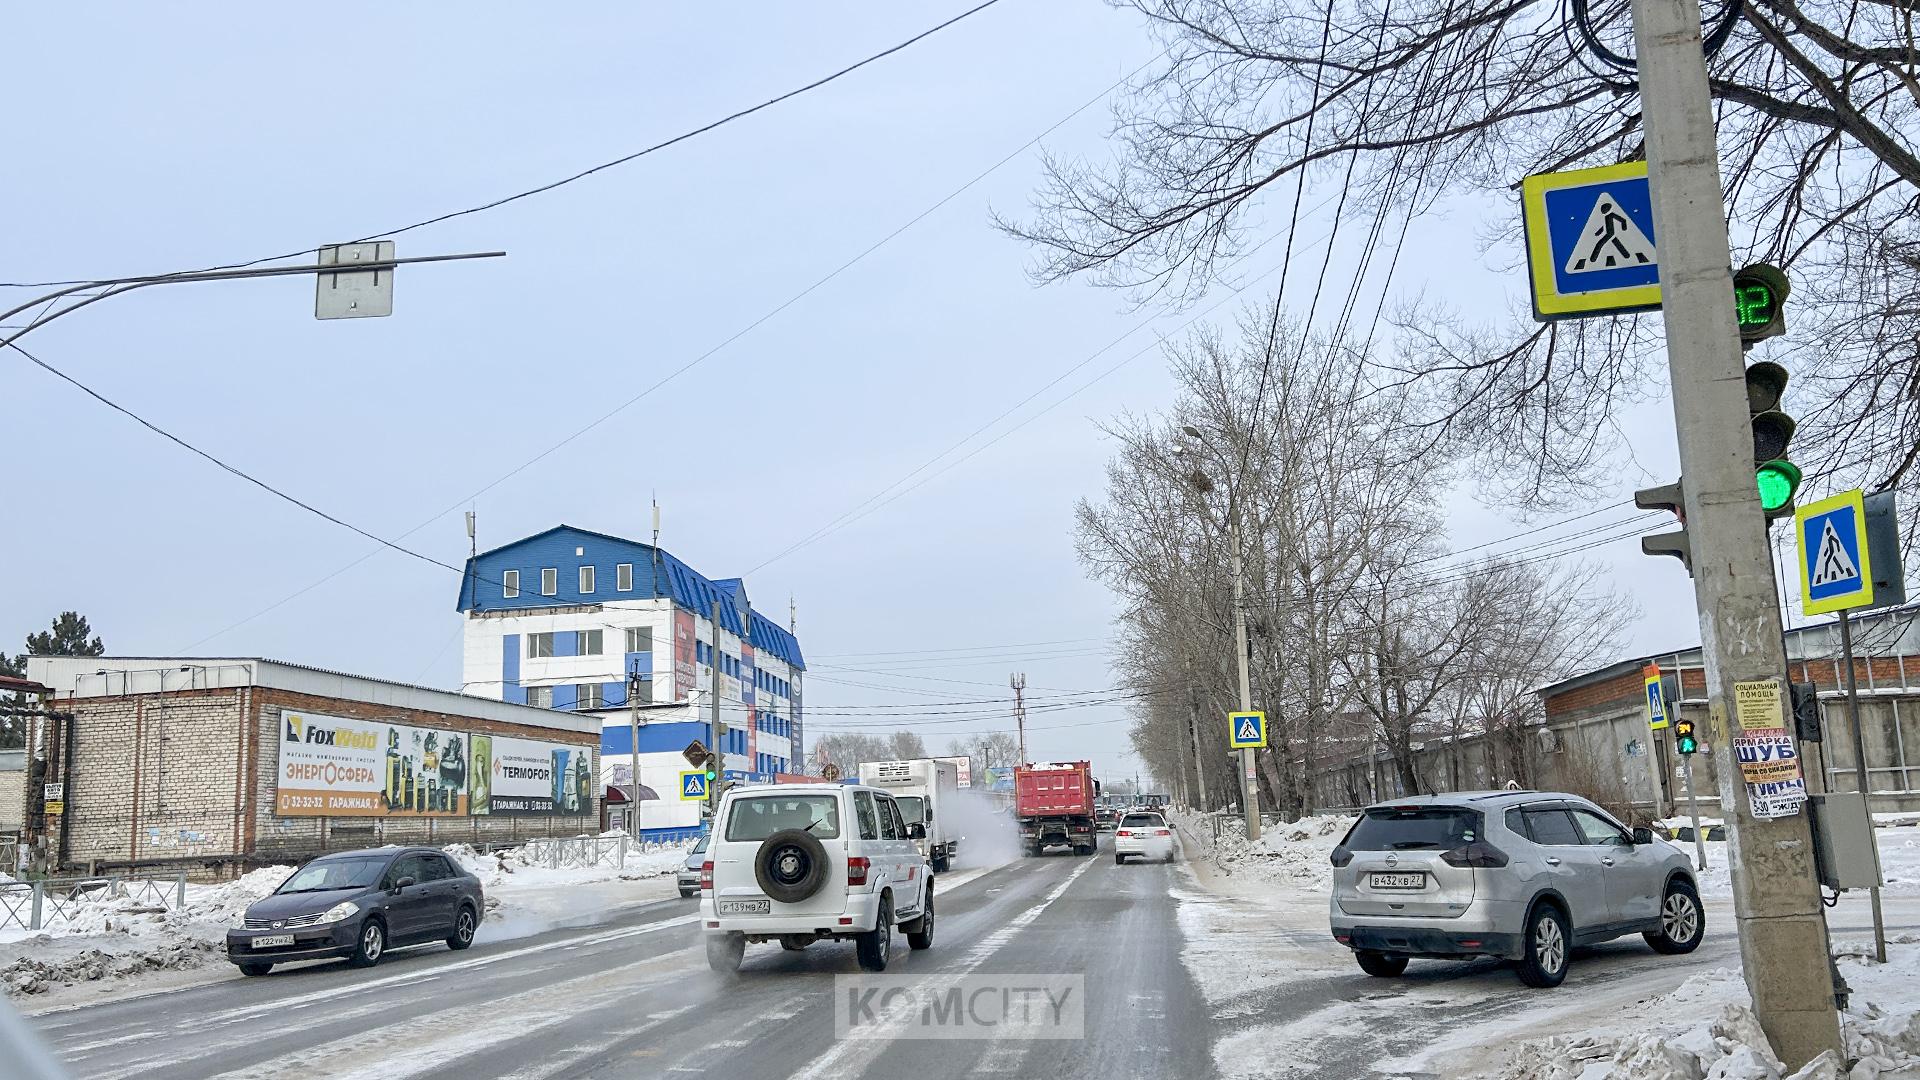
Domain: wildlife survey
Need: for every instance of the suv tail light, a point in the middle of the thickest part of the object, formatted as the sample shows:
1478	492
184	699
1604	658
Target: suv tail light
1341	856
1477	853
706	876
857	870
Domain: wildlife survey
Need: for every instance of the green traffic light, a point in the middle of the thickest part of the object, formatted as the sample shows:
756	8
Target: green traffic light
1687	744
1778	480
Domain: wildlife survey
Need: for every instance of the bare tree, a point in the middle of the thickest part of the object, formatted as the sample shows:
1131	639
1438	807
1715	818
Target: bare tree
1398	105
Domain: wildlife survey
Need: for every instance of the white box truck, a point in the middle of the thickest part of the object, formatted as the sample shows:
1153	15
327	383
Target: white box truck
925	790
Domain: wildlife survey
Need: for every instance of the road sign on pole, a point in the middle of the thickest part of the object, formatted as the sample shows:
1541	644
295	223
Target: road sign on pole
1836	571
693	786
1656	698
1590	242
354	294
1247	730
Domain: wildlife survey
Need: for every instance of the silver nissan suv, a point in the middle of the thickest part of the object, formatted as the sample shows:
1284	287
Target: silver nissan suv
1521	875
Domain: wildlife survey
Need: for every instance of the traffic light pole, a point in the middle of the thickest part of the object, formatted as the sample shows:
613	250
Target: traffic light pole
1693	806
1860	776
1782	926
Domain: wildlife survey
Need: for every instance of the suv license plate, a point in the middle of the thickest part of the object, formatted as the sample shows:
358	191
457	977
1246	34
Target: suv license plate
746	907
268	941
1397	881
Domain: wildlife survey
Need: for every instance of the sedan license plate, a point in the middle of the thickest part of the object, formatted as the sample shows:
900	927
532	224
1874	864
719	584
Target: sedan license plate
1397	881
268	941
746	907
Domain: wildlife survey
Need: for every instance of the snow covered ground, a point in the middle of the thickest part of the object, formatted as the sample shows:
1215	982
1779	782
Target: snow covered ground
1254	920
120	940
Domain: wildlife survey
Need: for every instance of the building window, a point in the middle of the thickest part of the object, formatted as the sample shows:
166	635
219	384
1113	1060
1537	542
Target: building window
586	579
623	577
540	696
549	582
590	643
540	645
587	695
510	583
639	639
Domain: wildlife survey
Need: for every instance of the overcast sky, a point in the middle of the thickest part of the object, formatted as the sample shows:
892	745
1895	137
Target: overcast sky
148	139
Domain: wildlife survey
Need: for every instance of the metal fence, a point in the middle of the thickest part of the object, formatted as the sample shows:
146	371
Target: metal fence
581	852
39	905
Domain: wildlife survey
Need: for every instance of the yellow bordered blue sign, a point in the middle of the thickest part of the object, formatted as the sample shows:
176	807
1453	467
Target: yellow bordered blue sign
1247	730
1590	242
693	785
1836	571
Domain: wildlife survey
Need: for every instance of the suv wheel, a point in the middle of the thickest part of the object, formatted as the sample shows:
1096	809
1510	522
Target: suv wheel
463	925
371	946
1681	922
920	930
1544	963
1380	965
875	947
724	952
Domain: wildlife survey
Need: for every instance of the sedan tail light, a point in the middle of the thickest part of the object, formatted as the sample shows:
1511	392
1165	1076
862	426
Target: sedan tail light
1162	832
706	876
1123	832
1477	853
857	870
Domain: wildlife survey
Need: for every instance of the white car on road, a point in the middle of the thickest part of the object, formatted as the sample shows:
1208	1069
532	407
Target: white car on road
1142	836
799	863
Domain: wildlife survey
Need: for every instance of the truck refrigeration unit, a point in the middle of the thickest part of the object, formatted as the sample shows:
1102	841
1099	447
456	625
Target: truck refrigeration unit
925	790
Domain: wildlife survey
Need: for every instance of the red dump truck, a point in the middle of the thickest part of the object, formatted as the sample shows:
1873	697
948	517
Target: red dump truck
1054	804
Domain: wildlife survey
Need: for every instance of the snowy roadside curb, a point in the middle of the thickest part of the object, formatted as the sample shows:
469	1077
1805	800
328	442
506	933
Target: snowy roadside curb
122	940
1706	1028
1289	854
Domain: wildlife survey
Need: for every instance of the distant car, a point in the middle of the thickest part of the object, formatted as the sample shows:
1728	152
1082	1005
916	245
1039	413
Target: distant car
1105	819
1142	835
689	876
800	863
359	904
1522	875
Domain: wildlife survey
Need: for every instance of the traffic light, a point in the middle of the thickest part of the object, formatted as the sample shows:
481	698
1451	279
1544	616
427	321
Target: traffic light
1670	497
1775	476
1683	737
712	766
1806	712
1759	303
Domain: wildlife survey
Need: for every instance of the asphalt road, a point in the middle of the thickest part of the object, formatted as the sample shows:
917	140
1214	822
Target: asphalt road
634	998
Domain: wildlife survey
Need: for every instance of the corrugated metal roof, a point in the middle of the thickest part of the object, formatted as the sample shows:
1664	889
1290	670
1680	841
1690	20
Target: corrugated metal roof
687	587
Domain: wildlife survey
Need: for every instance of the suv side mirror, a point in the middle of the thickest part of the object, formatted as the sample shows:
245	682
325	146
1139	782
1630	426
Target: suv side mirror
916	831
1642	835
401	883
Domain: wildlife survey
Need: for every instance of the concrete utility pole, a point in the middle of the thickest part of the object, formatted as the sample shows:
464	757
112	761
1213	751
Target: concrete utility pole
1250	792
633	707
1782	926
1019	683
719	731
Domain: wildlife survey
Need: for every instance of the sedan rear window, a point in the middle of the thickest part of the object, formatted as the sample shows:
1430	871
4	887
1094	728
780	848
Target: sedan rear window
760	816
1142	821
1407	828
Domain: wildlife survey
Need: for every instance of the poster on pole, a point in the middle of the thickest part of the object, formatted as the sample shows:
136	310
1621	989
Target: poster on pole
335	766
1770	767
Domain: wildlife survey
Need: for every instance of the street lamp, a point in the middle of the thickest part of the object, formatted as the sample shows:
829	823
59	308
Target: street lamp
1202	484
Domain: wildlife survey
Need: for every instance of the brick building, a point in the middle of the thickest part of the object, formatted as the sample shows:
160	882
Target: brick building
216	765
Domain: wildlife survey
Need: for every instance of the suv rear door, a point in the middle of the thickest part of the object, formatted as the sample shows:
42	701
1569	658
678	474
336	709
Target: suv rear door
751	819
1572	866
1397	868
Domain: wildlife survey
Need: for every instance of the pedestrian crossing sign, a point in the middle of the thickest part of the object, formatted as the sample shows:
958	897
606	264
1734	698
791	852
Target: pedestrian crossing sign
1590	241
693	785
1247	730
1835	569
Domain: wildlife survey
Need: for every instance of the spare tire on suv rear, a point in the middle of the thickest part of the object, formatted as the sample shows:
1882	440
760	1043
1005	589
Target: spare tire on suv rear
791	865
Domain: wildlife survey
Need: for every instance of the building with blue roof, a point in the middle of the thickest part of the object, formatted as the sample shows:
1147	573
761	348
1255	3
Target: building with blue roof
570	618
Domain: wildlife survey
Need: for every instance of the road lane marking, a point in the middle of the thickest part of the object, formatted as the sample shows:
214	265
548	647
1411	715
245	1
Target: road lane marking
851	1057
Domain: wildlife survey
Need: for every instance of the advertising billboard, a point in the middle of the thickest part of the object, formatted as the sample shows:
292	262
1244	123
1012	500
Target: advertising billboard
963	766
683	654
333	766
525	776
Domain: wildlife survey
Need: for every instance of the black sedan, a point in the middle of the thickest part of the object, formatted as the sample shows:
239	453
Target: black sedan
359	904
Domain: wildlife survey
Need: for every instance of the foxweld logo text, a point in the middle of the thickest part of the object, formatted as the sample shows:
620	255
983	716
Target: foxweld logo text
959	1007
